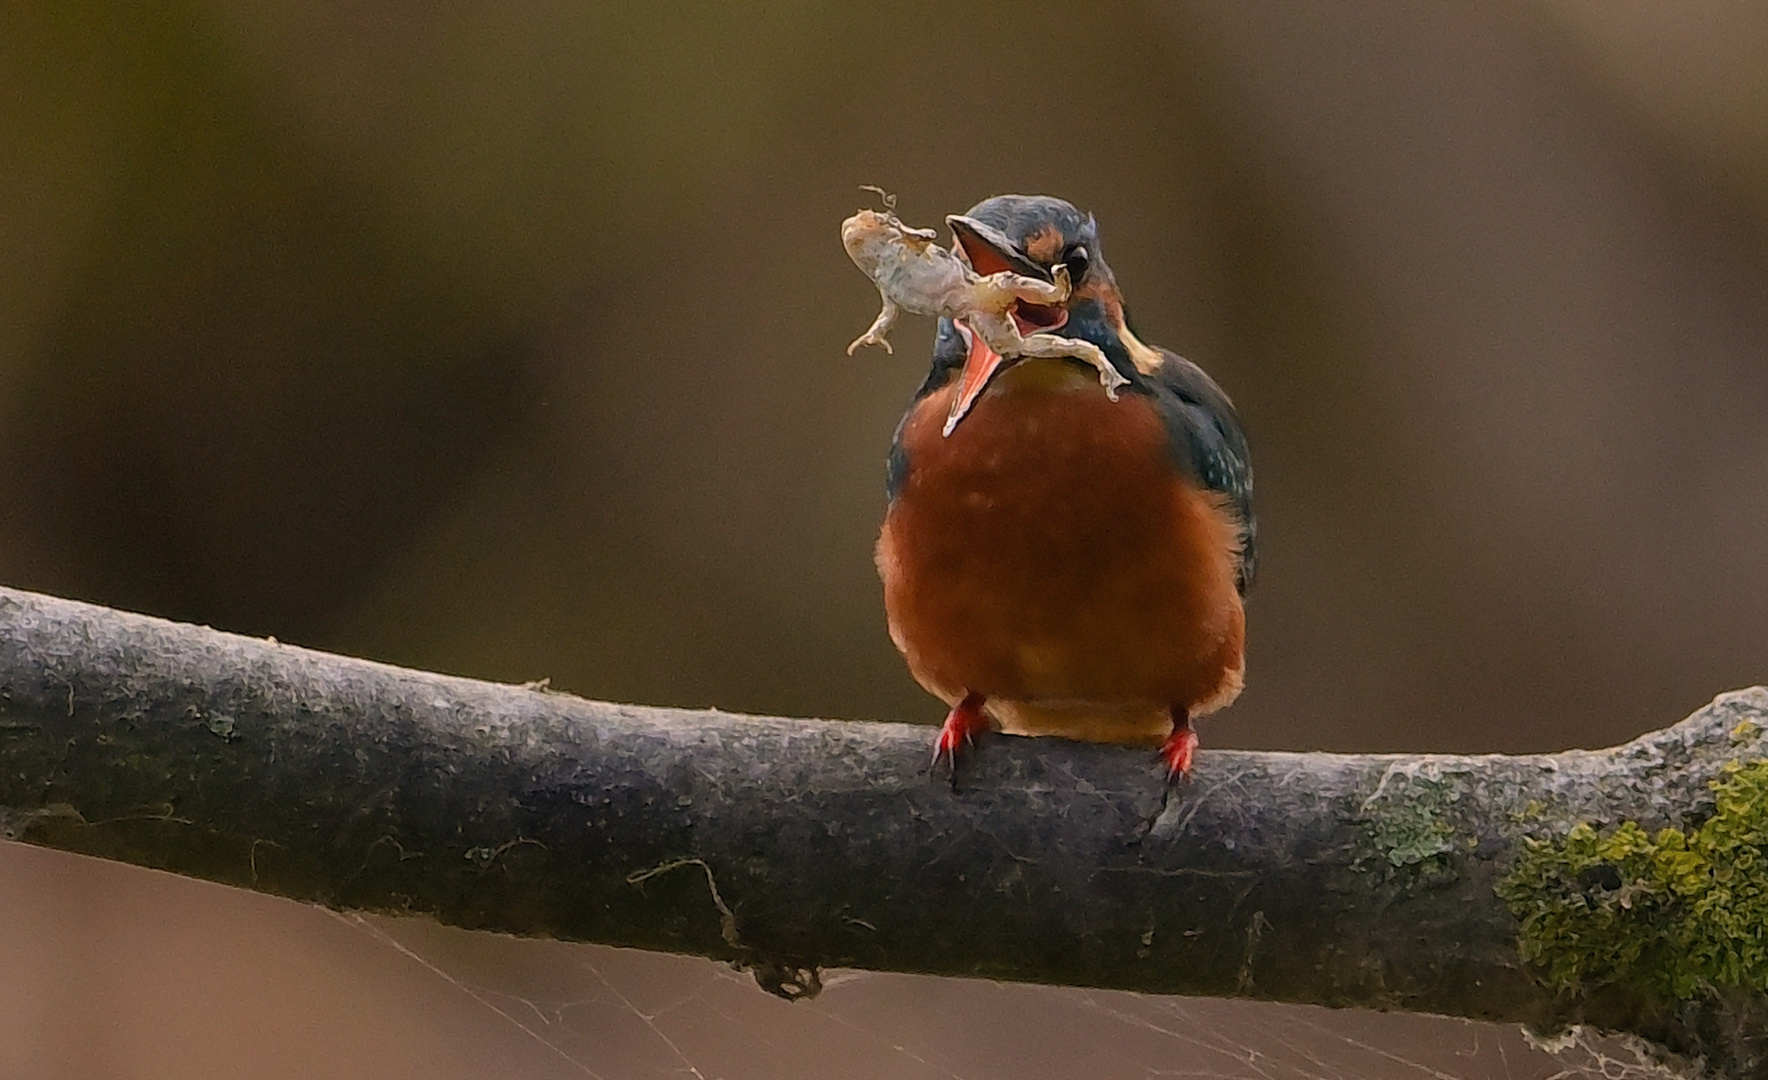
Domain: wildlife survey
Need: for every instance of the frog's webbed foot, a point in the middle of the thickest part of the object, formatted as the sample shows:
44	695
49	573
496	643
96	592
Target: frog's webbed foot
1032	290
1059	277
874	334
870	338
1110	378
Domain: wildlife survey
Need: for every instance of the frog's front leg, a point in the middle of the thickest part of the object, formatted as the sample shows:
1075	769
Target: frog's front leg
874	334
1030	289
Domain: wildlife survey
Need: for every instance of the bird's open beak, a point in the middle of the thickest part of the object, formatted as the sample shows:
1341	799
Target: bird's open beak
980	365
990	252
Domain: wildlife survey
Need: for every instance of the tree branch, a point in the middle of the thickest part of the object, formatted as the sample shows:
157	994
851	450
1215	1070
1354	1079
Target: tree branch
1382	881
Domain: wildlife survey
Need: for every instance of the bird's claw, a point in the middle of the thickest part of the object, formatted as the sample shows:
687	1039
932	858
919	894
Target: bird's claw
1178	751
945	747
959	729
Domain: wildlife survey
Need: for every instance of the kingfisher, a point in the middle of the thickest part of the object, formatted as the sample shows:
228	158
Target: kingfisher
1057	560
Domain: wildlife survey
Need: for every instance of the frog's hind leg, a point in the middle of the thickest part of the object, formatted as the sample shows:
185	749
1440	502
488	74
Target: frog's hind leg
874	334
1051	347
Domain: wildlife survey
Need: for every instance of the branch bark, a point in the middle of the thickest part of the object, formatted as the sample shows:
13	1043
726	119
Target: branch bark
789	845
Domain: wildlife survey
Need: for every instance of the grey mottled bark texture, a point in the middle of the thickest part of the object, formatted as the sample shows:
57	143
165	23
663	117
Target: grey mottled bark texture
790	845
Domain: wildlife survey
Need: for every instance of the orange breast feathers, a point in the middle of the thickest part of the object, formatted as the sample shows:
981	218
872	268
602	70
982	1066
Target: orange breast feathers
1048	555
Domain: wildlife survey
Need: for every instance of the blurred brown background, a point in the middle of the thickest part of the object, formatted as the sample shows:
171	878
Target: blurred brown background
506	339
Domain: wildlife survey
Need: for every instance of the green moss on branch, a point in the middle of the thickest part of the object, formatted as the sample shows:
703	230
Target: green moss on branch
1673	913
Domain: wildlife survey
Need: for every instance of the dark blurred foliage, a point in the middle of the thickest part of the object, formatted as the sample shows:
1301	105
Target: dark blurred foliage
506	338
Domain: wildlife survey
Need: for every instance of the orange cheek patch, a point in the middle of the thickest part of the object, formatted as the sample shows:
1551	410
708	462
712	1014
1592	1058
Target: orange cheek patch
1045	245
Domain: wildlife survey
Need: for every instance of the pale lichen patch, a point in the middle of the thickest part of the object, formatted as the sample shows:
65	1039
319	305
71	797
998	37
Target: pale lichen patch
1408	820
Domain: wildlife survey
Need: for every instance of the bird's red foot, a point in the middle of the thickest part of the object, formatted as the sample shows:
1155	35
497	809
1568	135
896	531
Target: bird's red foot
1179	748
961	726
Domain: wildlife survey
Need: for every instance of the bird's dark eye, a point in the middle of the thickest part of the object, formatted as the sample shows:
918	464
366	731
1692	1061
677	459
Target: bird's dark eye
1078	261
